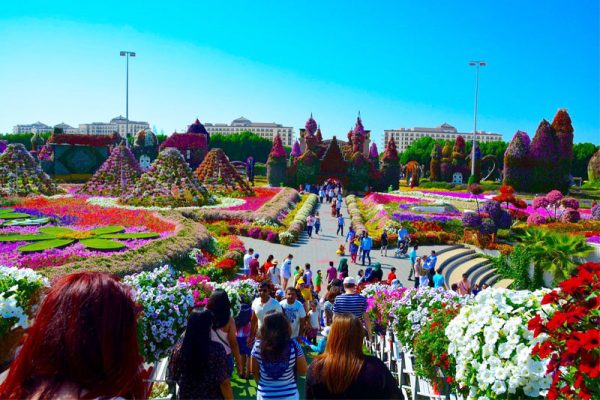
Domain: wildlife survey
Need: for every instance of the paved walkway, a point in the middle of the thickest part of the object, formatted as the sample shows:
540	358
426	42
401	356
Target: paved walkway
321	248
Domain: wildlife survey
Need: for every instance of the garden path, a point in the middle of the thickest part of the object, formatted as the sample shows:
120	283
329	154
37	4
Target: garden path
321	248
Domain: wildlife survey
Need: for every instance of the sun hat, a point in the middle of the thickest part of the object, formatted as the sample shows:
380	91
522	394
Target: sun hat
300	281
349	281
280	292
275	262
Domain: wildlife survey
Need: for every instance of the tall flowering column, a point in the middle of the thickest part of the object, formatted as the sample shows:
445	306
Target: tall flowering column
517	162
435	164
390	166
594	168
374	155
276	163
564	133
544	154
446	165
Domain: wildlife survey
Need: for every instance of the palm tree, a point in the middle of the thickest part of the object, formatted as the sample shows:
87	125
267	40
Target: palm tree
555	253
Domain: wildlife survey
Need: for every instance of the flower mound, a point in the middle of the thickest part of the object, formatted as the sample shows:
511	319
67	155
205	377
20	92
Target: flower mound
217	173
117	175
573	336
492	345
169	182
166	303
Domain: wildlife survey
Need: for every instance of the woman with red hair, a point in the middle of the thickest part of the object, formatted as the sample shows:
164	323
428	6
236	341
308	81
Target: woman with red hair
82	344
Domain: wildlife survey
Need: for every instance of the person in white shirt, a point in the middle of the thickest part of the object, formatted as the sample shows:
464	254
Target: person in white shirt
274	274
247	258
286	271
262	306
294	311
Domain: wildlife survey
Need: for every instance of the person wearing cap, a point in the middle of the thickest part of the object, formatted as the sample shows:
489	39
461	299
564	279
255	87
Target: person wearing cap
353	303
254	265
274	273
286	270
279	295
319	348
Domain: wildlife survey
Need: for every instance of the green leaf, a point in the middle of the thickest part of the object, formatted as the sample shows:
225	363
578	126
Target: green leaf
107	229
56	230
12	215
27	222
45	245
125	236
102	244
25	238
6	210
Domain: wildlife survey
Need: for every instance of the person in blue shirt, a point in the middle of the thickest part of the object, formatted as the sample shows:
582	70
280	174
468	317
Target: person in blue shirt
319	348
431	261
413	259
403	240
366	245
340	220
351	234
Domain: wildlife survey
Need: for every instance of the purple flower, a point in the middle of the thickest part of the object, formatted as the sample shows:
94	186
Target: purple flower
488	226
570	215
471	220
492	208
554	196
536	219
540	202
570	202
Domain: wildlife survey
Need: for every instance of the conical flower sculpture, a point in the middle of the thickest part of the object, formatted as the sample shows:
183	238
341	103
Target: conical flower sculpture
217	173
117	175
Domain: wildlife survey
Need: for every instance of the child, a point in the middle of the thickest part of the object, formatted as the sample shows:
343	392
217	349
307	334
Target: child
354	249
320	347
242	331
313	320
318	281
279	295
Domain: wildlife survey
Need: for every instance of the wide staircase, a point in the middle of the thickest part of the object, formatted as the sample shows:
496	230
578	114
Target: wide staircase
458	260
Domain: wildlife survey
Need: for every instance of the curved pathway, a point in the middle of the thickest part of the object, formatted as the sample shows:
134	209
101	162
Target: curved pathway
321	248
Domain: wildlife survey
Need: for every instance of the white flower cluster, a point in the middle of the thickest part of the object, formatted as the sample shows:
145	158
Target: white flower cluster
370	290
16	288
234	297
492	345
167	303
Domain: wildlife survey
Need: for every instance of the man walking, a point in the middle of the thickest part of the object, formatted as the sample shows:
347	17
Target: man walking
247	258
286	271
366	244
352	303
340	229
413	259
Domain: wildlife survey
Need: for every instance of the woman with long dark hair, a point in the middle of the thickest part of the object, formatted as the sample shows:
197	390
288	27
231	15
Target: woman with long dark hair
344	371
223	328
277	360
82	344
199	365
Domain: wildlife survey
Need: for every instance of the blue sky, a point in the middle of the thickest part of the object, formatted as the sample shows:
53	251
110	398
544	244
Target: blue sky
401	63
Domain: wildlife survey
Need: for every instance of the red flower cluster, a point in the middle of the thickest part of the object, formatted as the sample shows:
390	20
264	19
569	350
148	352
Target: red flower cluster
573	336
427	226
507	196
226	263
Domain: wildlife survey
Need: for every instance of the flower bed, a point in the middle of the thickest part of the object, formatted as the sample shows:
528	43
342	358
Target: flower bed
298	224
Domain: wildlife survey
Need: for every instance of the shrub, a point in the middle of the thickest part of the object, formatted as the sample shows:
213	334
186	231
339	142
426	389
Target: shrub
536	219
570	215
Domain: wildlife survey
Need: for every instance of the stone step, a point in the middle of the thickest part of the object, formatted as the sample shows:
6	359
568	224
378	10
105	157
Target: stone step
468	267
447	257
475	277
486	276
503	283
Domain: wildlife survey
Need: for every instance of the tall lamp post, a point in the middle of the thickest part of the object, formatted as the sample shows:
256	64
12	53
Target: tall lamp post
475	64
127	54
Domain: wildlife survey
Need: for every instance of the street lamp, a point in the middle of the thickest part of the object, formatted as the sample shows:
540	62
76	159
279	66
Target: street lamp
475	64
127	54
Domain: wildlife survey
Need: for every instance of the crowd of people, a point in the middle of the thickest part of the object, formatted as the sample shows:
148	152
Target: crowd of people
83	344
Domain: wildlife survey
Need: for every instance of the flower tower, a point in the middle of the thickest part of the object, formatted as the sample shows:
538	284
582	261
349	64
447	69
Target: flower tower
21	175
390	166
594	168
374	156
310	139
296	152
564	133
517	162
358	135
333	163
217	174
169	182
145	148
308	166
459	163
436	160
446	165
276	163
544	155
116	176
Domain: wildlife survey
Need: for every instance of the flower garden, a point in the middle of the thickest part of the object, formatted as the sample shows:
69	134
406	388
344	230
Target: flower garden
172	233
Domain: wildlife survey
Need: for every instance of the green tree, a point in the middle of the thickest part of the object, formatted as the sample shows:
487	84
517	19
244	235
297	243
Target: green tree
23	138
420	151
555	253
240	146
582	152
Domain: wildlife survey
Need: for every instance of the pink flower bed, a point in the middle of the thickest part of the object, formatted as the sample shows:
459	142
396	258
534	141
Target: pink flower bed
458	195
253	203
384	198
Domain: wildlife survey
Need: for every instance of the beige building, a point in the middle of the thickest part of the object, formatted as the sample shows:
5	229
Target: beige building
263	129
118	124
36	127
405	136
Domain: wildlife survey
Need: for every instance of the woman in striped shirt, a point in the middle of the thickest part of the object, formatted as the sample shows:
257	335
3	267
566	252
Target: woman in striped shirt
277	360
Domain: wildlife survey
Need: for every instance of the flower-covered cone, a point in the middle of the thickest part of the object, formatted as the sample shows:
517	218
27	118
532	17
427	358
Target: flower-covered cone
217	173
544	154
564	133
116	176
21	175
517	162
390	166
276	163
169	182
